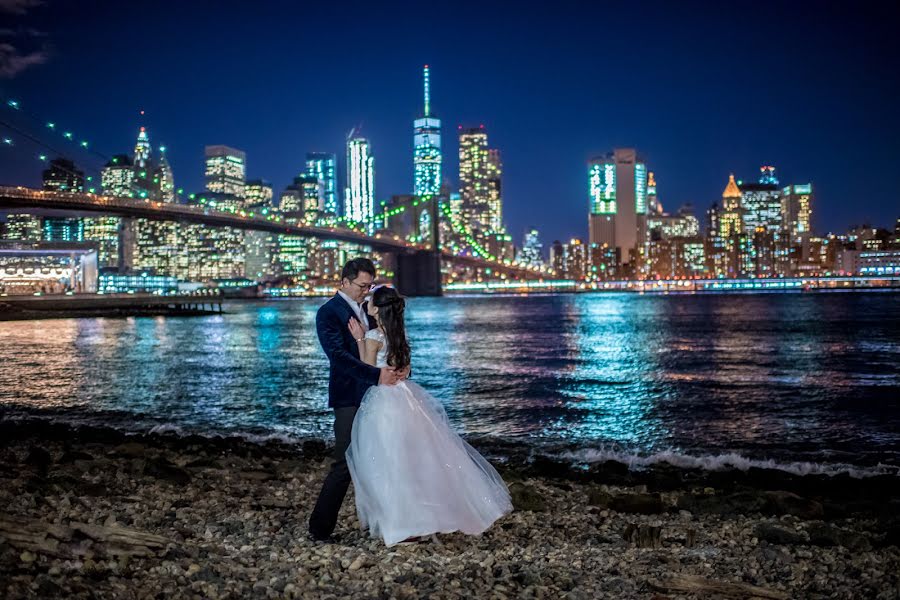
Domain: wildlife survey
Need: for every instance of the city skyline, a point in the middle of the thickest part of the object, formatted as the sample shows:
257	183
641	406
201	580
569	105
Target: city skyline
697	109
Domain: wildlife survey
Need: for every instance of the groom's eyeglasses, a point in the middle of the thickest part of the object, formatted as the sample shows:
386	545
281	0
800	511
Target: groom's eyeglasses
363	286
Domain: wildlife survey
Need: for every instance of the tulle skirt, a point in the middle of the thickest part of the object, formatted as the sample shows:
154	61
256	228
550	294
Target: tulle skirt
412	474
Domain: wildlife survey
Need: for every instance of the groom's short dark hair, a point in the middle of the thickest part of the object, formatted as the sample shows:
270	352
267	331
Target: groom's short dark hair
356	266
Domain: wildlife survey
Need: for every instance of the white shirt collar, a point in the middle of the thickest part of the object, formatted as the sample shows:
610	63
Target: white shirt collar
353	303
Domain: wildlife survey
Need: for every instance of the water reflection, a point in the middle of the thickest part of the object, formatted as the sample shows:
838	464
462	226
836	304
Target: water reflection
801	376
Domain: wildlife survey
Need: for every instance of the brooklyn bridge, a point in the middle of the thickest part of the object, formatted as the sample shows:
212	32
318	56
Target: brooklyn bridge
417	266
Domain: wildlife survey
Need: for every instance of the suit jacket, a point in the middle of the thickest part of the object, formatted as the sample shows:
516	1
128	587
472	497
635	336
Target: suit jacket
349	376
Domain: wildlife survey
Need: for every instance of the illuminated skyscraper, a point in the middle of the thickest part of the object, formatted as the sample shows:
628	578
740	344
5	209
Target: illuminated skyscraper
532	253
480	170
796	207
209	253
617	185
258	245
730	218
323	166
427	147
359	199
63	176
22	227
767	175
118	178
299	205
142	150
226	170
730	259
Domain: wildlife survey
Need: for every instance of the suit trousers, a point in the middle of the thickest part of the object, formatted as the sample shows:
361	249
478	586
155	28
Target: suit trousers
324	516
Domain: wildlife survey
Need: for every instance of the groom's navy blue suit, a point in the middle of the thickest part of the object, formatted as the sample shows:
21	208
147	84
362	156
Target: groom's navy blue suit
350	377
347	384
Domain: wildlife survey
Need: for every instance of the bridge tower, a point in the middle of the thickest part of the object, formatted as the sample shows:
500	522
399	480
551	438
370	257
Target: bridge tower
417	220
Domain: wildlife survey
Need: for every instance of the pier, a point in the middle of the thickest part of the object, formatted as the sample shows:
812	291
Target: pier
107	305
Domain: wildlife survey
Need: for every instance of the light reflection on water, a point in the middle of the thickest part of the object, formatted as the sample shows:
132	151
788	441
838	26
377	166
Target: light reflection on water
796	377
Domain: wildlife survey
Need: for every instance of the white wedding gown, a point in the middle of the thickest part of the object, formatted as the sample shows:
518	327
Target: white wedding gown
412	474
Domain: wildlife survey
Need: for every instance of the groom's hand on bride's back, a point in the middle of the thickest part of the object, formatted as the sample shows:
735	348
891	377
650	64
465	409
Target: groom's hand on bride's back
389	376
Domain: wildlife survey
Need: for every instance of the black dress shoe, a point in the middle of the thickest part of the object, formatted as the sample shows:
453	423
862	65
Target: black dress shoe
328	539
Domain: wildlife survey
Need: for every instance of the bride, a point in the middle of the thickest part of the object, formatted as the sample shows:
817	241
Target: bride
412	474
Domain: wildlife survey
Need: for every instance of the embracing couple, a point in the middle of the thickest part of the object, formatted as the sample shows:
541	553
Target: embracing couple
413	476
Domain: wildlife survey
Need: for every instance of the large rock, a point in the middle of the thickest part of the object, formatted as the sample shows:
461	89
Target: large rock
166	471
786	503
39	458
598	497
644	504
751	502
130	450
526	497
778	535
822	534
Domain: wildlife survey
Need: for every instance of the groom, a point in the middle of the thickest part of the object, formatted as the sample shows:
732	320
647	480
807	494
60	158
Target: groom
347	383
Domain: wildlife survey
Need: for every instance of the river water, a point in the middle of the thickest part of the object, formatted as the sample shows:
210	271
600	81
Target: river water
805	382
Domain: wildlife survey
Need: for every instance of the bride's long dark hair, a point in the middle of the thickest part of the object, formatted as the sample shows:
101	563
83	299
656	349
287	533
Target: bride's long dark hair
391	307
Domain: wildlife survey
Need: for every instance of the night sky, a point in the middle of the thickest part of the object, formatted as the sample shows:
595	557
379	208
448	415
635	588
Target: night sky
700	89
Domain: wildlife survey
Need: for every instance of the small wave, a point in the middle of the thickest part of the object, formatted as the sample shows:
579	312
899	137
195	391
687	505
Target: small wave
722	462
253	438
168	428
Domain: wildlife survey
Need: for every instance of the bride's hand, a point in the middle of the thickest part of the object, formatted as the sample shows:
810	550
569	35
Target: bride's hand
356	330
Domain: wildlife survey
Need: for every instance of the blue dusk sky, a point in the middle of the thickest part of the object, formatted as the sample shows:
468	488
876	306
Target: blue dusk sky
701	89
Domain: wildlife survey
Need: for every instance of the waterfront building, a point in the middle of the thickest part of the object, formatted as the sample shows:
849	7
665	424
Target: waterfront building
556	257
63	176
763	224
676	258
427	147
147	283
226	170
298	202
259	246
22	227
157	244
62	229
27	268
569	261
617	188
731	261
359	198
683	224
323	166
796	208
796	218
532	252
499	245
117	178
675	249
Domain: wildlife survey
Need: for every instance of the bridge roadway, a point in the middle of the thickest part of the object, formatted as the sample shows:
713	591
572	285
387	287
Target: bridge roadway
23	197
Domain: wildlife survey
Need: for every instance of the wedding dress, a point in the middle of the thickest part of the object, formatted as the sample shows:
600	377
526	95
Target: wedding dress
412	474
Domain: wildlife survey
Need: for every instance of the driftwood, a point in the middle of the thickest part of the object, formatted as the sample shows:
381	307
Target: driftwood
78	540
691	584
643	536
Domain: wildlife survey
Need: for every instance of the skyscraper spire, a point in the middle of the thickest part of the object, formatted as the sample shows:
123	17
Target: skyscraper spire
731	190
142	149
427	147
427	93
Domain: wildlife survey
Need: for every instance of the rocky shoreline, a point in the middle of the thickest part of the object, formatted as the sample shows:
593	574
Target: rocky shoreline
95	513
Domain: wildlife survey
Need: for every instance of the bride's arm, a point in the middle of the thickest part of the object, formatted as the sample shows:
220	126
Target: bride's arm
368	350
